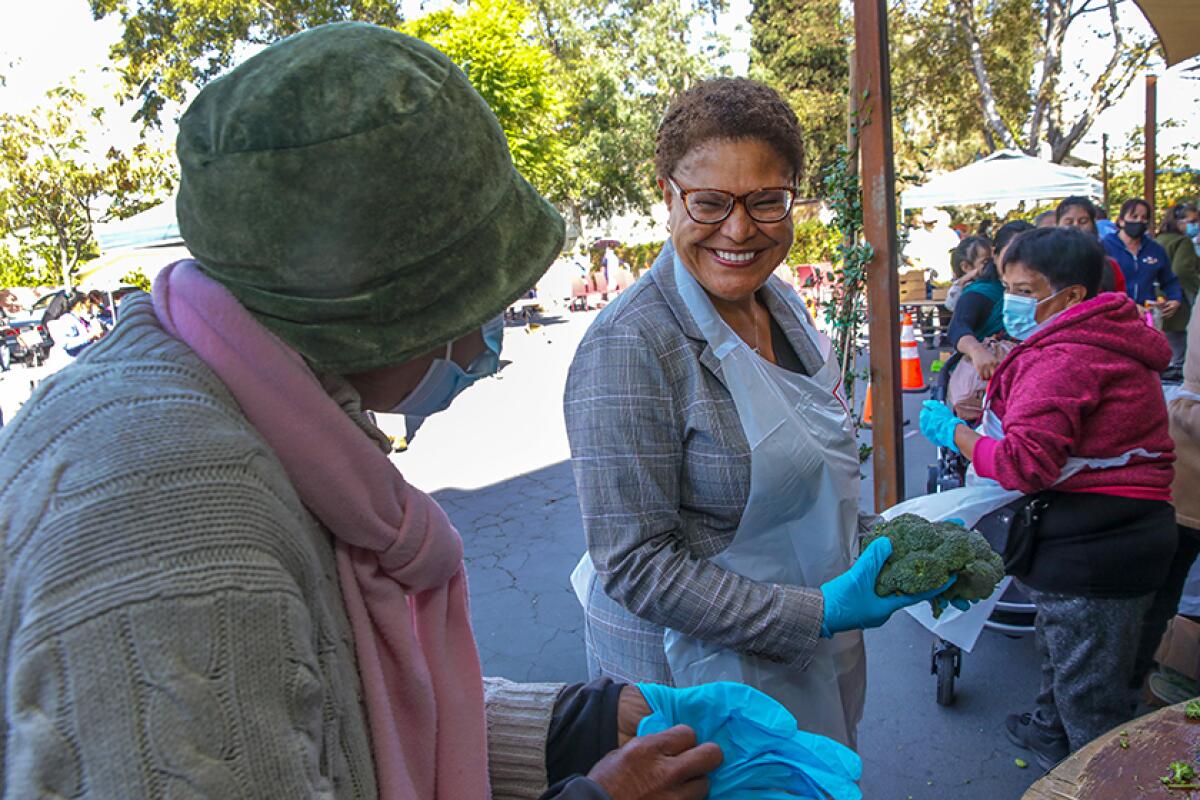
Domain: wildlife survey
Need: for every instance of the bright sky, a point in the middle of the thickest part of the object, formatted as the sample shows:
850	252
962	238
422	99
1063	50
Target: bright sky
46	42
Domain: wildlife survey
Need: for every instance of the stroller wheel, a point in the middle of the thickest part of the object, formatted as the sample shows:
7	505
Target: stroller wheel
947	663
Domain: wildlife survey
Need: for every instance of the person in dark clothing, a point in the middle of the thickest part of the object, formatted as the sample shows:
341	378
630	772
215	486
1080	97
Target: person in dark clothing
979	313
1143	260
1081	213
1173	235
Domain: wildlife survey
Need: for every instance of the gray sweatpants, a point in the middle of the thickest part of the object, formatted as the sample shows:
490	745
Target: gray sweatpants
1087	647
1178	342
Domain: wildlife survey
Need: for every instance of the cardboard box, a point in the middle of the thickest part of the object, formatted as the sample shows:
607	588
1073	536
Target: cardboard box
1180	647
912	286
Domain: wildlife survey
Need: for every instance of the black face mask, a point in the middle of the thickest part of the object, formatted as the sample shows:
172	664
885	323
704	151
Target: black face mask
1134	230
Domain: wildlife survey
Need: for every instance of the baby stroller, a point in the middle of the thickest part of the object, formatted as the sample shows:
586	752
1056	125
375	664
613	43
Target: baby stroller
950	471
1014	613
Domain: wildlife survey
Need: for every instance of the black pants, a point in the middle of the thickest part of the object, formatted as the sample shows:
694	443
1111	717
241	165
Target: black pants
1166	603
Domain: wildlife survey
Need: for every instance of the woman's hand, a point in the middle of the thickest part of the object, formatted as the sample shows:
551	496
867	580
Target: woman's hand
661	766
631	709
850	599
983	359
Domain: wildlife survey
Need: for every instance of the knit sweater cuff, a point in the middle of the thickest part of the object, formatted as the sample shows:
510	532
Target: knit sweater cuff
518	719
984	457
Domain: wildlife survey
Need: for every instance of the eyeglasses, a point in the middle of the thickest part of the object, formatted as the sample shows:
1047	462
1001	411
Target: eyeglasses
712	206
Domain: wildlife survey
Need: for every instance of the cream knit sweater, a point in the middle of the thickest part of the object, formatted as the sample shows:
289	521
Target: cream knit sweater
171	616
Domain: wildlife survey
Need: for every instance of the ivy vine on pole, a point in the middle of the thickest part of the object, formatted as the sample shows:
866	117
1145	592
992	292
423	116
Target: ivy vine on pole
845	310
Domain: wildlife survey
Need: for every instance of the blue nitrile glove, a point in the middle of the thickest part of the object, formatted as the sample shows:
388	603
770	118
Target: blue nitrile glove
766	756
962	605
938	423
850	599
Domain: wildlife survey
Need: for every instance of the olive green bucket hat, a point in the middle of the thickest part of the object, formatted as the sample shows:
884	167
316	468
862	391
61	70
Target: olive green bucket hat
355	194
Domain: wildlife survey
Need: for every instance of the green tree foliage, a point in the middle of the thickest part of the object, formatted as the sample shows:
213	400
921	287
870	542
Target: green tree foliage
802	48
620	62
580	120
53	189
937	105
514	75
994	73
1176	181
169	46
814	243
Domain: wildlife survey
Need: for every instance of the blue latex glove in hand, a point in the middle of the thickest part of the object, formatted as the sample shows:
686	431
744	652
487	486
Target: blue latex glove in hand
850	599
766	756
941	604
938	424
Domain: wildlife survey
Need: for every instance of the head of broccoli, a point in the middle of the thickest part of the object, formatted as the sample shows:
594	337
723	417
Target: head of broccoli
925	554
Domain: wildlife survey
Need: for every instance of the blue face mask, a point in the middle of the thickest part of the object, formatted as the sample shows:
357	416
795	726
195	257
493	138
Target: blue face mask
1193	229
446	380
1020	315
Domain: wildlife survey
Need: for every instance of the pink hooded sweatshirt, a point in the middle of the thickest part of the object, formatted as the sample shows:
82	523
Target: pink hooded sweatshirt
1085	386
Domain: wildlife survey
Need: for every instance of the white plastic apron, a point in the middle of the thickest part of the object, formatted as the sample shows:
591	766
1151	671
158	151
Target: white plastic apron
977	498
798	527
799	524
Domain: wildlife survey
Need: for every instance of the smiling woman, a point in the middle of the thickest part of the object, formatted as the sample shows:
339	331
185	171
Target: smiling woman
715	461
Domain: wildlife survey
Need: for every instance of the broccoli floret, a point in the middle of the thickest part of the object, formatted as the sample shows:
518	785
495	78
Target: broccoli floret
1192	709
1180	776
925	554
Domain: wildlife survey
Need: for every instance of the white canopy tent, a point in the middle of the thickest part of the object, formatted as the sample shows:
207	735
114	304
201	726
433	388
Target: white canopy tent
105	273
145	242
1006	176
153	226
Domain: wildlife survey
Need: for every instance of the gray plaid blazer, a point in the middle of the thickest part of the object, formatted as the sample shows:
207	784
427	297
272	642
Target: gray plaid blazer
662	467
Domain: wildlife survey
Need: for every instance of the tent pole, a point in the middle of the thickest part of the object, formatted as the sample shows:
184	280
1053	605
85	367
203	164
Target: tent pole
873	73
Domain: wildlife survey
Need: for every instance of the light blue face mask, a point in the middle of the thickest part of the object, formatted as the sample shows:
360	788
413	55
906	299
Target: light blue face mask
446	380
1020	315
1193	229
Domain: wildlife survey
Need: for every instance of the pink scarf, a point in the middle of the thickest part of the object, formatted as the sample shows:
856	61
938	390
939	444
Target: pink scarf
399	558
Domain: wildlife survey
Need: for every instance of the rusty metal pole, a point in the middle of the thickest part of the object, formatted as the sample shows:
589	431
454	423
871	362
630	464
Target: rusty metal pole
1150	174
1104	168
874	79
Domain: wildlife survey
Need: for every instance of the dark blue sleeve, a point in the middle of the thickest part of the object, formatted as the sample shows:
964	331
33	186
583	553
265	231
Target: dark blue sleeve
970	314
583	729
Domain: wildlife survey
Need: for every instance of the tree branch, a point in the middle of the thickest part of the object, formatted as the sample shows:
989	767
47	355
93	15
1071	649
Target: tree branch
1108	87
964	12
1086	8
1052	47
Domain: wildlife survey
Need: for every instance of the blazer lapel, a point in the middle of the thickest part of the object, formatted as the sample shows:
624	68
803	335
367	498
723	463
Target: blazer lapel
663	275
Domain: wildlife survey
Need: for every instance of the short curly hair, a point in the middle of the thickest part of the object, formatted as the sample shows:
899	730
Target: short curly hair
727	108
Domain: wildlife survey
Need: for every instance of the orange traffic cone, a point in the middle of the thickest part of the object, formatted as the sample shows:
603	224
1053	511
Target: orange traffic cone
867	408
911	377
